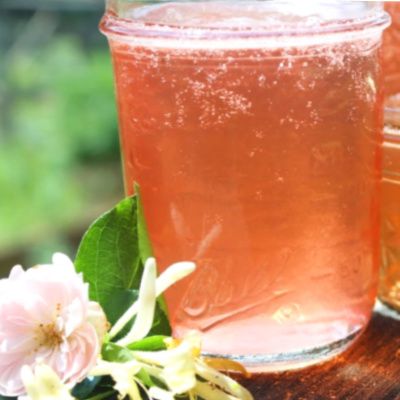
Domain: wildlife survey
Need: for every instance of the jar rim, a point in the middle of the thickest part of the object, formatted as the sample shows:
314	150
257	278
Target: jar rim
127	19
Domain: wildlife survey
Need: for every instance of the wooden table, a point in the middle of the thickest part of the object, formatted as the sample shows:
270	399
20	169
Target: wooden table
368	370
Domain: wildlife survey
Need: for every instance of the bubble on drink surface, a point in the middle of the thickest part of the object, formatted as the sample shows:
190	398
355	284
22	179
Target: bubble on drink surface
217	104
285	64
223	67
259	195
259	134
236	102
262	80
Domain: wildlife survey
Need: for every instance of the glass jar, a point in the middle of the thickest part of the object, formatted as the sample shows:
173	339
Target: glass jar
254	131
389	287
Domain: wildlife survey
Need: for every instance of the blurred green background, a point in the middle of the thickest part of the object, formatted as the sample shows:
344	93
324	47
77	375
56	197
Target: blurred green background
59	156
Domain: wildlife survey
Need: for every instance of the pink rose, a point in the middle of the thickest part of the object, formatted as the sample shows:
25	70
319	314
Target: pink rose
46	318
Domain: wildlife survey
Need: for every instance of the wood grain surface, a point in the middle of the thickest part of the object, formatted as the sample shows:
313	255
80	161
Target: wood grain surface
370	369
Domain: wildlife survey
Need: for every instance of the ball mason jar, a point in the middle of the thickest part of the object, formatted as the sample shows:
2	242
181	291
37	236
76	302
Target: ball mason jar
254	131
389	285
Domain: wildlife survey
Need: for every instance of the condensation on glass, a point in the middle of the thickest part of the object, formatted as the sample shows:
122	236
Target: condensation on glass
254	131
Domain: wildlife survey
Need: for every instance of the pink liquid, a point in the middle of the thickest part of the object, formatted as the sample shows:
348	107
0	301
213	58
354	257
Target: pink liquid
262	165
389	288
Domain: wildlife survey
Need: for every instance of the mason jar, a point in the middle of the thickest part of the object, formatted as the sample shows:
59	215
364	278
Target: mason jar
254	131
389	286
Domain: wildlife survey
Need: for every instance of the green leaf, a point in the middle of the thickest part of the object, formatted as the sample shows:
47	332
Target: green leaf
117	304
85	388
114	353
145	377
161	325
150	343
7	398
108	255
111	257
104	390
145	248
109	395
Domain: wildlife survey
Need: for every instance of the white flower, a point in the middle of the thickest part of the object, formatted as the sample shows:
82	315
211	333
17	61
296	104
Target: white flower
124	376
157	393
46	317
216	379
178	363
178	367
171	275
146	305
43	384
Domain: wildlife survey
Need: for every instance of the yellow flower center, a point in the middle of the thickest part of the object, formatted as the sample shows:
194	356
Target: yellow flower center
47	335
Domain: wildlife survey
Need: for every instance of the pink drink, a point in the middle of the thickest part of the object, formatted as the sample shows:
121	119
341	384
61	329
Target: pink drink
389	288
258	157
